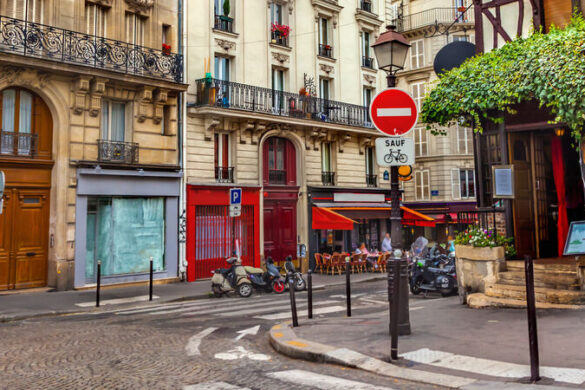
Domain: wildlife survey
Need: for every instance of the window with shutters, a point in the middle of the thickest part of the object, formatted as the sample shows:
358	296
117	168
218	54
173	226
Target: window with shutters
417	54
422	185
463	183
418	93
135	29
95	19
222	157
464	140
29	10
420	142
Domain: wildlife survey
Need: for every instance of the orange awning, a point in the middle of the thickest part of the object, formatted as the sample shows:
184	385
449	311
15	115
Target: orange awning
324	218
409	216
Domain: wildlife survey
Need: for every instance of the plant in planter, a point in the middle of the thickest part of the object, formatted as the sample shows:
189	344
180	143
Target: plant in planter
481	238
226	8
166	49
281	29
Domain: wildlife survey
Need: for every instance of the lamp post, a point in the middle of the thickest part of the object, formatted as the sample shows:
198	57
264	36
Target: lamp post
391	49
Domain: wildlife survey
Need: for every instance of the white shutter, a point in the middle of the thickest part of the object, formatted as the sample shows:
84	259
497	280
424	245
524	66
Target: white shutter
455	184
427	185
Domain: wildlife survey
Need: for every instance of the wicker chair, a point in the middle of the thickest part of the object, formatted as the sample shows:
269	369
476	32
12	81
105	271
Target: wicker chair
336	262
319	265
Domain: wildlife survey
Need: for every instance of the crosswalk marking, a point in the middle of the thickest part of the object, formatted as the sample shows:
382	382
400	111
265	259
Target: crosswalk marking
269	309
320	381
163	306
117	301
284	315
492	367
214	386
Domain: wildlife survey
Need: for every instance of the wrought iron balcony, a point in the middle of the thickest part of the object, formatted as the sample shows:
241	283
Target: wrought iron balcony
230	95
434	16
276	176
56	44
371	180
279	39
325	50
117	152
328	178
366	6
224	23
368	62
18	144
224	174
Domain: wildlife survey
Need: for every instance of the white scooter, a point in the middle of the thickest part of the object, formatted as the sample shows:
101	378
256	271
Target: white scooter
235	278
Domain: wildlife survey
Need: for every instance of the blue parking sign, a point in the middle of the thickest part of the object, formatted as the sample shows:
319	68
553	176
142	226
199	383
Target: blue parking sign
235	196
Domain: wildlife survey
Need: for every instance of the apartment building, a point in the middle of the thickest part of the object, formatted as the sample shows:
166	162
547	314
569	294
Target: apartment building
89	94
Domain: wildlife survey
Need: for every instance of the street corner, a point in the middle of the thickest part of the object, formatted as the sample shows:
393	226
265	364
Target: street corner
285	341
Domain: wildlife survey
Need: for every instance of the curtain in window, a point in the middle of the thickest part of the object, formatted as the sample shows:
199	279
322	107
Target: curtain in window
25	115
118	121
326	157
105	119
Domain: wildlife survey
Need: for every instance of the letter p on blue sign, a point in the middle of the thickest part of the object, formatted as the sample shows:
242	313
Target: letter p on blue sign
235	196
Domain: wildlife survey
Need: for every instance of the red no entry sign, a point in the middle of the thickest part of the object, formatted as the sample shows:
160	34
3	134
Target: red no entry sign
393	112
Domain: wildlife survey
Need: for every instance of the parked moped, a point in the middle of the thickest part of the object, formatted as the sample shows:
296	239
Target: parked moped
235	278
292	273
434	275
267	281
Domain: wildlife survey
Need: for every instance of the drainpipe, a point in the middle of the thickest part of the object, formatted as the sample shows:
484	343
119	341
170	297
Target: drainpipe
181	133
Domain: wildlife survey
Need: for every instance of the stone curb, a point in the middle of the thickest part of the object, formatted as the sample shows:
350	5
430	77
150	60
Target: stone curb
284	340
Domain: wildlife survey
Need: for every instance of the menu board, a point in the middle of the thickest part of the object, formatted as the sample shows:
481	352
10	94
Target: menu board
575	244
503	181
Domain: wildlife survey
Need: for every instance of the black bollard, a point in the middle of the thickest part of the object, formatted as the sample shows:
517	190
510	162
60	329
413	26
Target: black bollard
99	281
532	331
348	286
403	311
310	293
393	299
293	301
150	285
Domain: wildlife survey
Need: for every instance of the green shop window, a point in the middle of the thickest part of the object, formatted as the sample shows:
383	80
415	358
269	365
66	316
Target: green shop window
124	233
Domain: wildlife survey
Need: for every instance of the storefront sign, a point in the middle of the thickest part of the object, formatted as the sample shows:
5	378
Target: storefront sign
503	181
395	151
357	197
575	244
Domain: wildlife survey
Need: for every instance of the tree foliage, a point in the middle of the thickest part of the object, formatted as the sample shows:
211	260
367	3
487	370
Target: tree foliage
547	68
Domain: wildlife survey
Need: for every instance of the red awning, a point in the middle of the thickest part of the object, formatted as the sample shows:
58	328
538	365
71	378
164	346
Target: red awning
409	216
414	218
327	219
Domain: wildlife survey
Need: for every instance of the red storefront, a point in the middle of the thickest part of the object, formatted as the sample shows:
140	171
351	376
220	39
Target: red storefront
209	228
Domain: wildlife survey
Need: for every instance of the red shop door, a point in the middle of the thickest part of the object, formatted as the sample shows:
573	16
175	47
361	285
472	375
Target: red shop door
280	228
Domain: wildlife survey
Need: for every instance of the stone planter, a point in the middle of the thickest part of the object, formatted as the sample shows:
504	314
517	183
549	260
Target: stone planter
475	266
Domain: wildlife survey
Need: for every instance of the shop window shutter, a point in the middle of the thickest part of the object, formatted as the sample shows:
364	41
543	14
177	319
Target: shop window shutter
455	184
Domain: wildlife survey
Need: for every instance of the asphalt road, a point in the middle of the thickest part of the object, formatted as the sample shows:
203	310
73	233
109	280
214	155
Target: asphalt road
178	345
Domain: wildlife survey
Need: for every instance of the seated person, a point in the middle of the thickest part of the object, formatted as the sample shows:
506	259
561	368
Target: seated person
362	249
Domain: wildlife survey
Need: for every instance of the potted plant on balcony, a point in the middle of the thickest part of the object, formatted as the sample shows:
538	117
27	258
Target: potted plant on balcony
166	49
280	30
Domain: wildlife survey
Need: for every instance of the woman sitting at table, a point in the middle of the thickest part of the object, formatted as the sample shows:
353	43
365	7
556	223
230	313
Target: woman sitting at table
362	249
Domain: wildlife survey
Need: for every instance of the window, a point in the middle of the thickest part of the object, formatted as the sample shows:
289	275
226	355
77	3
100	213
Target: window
323	31
367	60
324	89
464	140
29	10
463	183
16	117
371	175
420	142
392	14
135	29
166	121
166	34
422	185
276	161
417	54
222	158
418	93
276	13
367	96
327	174
113	120
278	87
95	20
222	68
219	7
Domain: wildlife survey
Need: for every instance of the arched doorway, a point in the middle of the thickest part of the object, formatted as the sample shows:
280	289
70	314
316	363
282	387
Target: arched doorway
25	158
281	194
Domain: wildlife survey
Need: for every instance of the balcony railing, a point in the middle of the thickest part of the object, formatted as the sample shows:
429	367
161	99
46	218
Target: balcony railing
230	95
325	50
18	144
56	44
368	62
439	16
224	23
224	174
117	152
279	39
276	176
366	6
371	180
328	178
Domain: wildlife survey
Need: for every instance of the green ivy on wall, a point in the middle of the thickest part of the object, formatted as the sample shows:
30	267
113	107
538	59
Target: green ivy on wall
548	68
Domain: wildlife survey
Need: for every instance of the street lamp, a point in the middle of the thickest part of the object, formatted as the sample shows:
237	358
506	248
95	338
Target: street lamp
391	49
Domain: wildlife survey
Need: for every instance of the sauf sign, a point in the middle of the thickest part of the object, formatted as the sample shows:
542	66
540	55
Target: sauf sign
394	151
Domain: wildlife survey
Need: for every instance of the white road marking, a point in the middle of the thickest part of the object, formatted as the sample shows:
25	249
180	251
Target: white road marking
374	301
214	386
394	111
321	310
161	307
192	346
250	331
240	353
319	381
272	308
342	296
492	367
416	308
117	301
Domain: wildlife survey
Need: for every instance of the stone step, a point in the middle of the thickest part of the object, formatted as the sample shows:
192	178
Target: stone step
547	295
562	281
480	301
518	265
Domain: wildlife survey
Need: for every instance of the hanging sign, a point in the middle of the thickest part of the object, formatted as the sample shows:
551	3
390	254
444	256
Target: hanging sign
393	112
394	151
503	181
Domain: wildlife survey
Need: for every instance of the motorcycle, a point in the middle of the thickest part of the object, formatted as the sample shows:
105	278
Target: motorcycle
235	278
434	275
267	281
291	273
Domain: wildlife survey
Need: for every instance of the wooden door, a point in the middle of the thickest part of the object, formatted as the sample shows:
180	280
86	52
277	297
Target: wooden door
524	226
280	229
24	238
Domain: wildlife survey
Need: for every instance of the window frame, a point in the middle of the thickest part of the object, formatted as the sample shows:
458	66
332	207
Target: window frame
467	140
370	157
417	54
420	88
222	67
421	142
422	182
109	102
325	85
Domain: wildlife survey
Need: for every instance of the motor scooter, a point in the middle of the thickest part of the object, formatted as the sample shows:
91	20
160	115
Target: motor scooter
235	278
267	281
434	275
292	273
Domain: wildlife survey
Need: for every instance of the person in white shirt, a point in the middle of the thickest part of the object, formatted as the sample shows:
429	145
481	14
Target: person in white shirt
387	243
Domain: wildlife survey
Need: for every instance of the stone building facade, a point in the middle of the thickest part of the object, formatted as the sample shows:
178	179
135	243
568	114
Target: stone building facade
90	94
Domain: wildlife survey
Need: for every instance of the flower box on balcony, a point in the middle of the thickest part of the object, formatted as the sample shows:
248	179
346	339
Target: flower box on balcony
166	49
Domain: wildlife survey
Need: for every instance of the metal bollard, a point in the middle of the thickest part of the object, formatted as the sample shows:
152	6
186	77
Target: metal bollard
403	311
310	293
99	282
393	299
150	285
293	301
348	286
531	309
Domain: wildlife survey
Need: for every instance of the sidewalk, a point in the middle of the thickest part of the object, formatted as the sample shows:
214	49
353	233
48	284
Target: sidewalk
25	304
450	345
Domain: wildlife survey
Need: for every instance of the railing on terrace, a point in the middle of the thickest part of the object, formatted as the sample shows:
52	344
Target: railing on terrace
371	180
434	16
486	217
116	151
230	95
56	44
367	62
325	50
279	39
224	23
18	144
328	178
224	174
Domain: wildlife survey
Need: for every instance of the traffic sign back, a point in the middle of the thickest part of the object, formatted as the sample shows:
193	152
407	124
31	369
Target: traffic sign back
393	112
